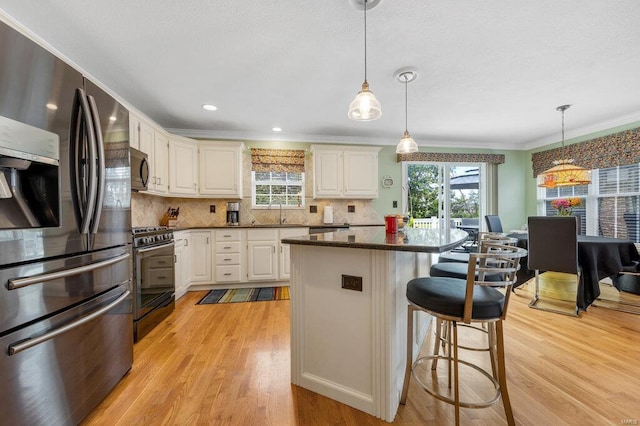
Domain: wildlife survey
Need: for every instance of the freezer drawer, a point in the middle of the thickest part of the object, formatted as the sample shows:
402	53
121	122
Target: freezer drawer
38	289
61	379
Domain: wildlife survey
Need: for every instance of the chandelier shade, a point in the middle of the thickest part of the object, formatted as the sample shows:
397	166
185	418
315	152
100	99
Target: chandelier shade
365	106
564	173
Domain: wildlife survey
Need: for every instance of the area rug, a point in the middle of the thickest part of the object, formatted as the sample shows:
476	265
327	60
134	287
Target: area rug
235	295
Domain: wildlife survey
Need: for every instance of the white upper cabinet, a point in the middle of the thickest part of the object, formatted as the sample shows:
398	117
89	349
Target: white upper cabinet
183	166
345	171
160	162
220	169
155	144
327	173
134	130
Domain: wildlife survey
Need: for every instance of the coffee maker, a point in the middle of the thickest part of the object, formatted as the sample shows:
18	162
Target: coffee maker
233	214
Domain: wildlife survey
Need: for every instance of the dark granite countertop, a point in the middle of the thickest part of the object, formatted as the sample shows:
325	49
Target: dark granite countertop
375	238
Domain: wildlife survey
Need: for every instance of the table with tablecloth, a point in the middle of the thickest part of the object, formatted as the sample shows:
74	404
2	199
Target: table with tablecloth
598	257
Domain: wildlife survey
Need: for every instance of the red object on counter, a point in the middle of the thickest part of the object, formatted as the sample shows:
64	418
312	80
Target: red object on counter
391	224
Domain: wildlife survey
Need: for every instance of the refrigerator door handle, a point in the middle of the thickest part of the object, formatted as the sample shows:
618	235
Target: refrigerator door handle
15	283
16	348
97	130
83	176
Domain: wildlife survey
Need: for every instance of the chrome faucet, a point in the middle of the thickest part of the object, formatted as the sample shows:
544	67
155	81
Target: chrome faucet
282	220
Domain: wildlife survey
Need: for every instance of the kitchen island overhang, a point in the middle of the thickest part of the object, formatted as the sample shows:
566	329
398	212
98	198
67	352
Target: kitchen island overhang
349	311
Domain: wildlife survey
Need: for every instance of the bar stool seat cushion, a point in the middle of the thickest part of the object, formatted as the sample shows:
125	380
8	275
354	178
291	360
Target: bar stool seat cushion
445	296
457	270
454	257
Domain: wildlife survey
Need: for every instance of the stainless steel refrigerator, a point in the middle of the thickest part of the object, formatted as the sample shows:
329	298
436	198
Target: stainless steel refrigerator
65	244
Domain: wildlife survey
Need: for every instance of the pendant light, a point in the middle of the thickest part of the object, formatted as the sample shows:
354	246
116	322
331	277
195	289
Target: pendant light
365	106
406	145
564	172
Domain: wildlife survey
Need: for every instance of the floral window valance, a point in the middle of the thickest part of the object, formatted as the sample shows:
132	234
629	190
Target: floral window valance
619	149
444	157
277	160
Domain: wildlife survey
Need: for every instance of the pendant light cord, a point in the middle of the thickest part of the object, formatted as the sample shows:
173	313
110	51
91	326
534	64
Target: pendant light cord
406	113
365	39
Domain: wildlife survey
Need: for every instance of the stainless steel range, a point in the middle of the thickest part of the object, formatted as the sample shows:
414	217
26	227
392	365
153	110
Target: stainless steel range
154	283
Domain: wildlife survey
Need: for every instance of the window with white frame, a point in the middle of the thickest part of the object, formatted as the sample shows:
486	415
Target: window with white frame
277	188
610	204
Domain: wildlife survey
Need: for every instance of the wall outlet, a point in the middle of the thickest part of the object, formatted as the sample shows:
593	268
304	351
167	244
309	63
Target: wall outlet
351	209
395	204
212	209
313	209
350	282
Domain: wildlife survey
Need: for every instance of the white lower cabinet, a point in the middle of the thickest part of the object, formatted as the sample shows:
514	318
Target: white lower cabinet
238	255
183	262
201	256
262	255
284	269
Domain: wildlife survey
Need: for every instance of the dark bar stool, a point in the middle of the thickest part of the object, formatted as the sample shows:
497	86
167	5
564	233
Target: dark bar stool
474	300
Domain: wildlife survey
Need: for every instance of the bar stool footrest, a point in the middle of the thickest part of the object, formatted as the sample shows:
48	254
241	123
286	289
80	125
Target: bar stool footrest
432	392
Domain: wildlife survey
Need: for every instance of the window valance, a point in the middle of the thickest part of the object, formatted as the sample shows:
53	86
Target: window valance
444	157
277	160
619	149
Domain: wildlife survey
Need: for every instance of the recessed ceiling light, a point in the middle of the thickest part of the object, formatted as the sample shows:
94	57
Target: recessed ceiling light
52	107
276	129
112	118
209	107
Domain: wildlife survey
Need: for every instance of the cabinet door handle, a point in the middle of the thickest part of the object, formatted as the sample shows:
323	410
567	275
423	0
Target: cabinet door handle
227	248
227	236
228	274
227	260
186	242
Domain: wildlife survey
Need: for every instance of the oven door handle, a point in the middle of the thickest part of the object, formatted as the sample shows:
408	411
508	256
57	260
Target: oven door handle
16	348
146	250
37	279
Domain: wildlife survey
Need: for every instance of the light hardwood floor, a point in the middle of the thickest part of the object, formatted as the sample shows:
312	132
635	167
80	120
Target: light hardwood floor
228	364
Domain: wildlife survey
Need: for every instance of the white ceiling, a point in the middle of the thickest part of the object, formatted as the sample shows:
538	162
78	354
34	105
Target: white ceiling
492	72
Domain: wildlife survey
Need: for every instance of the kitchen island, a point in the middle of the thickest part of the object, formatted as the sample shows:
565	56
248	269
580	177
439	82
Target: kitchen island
349	311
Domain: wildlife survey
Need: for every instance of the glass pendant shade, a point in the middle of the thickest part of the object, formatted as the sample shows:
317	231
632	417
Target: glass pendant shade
564	173
406	145
365	107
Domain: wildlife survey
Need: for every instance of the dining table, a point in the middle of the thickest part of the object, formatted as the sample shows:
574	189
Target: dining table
598	257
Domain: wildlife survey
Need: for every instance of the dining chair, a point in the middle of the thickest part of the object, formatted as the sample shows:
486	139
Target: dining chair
553	246
493	223
464	301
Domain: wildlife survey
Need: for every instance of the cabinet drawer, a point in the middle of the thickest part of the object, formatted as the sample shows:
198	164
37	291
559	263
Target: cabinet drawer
228	259
262	234
228	235
229	273
228	247
160	261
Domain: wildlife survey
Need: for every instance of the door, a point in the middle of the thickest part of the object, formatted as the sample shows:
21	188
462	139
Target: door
114	225
201	256
327	173
183	161
57	379
220	170
443	194
30	79
262	261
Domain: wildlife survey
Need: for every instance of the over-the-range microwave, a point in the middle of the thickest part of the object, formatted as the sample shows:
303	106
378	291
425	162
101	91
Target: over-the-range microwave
139	170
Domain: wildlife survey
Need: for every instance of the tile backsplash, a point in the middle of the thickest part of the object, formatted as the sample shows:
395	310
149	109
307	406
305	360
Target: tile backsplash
147	210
